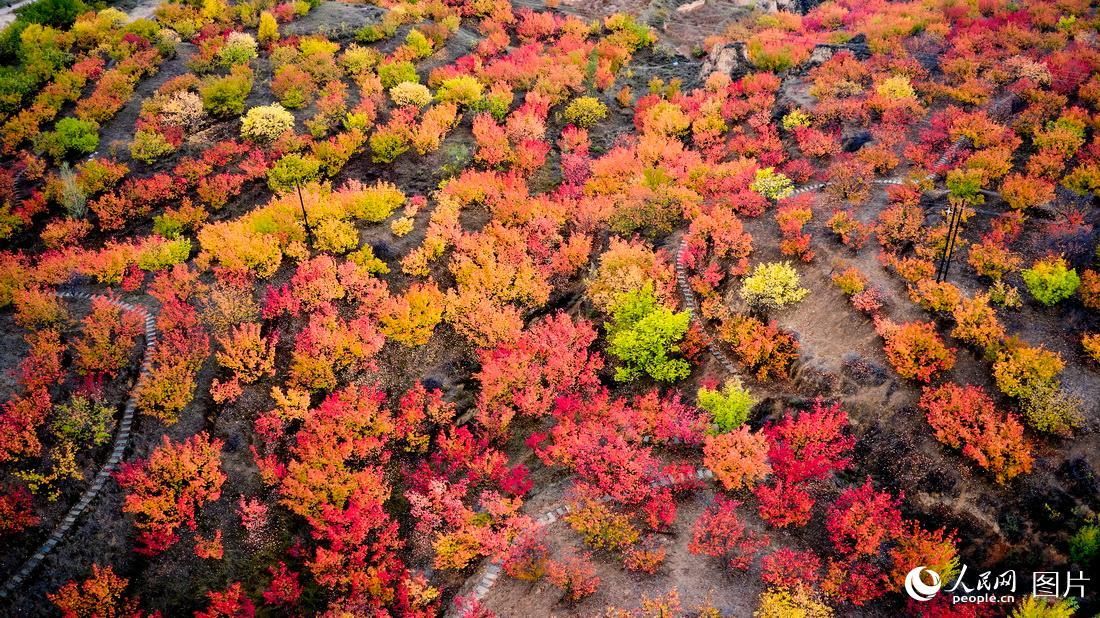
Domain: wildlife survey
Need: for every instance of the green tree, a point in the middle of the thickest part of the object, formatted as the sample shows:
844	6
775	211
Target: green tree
643	336
729	407
291	171
69	136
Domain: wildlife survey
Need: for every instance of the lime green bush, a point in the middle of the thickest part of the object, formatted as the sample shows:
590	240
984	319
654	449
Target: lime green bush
643	335
1050	281
464	90
266	123
421	45
1084	546
291	171
393	73
729	407
585	111
161	255
376	203
771	184
773	286
796	118
149	145
70	136
239	48
896	87
224	96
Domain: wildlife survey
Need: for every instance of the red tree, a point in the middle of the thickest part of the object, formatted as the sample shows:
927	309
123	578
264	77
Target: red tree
862	520
166	490
550	359
791	567
102	595
964	417
810	445
720	533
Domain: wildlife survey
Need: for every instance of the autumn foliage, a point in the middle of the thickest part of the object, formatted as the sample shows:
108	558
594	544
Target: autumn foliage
167	491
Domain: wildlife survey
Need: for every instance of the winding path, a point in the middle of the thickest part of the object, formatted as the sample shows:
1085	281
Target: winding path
121	441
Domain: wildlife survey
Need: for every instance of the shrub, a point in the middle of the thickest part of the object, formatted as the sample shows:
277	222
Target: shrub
1042	607
239	48
464	90
665	118
574	575
182	109
394	72
601	527
375	204
915	350
789	602
772	286
643	334
268	31
1084	545
720	533
1048	408
1020	369
976	322
1050	281
851	281
293	86
771	184
411	318
225	96
150	145
101	594
166	490
247	353
1090	289
292	171
402	226
933	548
991	259
1091	344
936	296
796	118
107	339
1026	191
155	255
895	87
791	568
739	459
70	136
410	93
83	420
862	520
585	112
729	407
964	417
388	144
527	557
335	235
266	123
763	348
644	558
